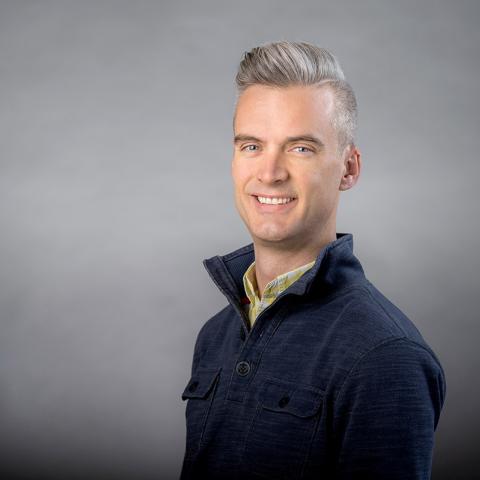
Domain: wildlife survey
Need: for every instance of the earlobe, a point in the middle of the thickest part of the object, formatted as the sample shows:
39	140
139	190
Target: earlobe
347	182
352	169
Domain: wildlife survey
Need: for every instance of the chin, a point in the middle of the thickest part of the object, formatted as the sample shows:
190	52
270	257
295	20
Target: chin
270	235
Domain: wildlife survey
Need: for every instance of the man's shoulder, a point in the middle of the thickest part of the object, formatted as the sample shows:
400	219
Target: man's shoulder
362	318
378	333
366	309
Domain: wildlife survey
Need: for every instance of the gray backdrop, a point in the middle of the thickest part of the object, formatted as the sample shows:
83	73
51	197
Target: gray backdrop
115	149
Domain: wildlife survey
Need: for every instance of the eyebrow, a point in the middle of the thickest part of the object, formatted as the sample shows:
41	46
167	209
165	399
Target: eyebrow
298	138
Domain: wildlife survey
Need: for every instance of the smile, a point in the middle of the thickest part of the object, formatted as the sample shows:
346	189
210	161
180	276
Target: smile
280	204
275	200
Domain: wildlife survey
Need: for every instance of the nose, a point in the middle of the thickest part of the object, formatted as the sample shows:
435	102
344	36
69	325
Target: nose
272	168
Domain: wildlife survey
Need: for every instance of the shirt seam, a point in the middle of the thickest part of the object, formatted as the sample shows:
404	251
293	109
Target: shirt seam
365	287
386	341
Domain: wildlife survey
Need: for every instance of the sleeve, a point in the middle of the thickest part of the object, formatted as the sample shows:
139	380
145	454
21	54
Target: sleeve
386	413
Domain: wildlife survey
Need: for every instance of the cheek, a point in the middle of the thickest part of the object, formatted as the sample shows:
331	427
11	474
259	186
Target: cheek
314	184
319	187
235	174
240	174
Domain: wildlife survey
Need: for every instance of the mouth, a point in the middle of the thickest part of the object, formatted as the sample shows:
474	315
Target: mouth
273	200
270	203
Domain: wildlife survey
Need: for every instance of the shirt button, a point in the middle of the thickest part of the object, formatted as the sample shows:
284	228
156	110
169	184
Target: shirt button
193	386
283	402
243	368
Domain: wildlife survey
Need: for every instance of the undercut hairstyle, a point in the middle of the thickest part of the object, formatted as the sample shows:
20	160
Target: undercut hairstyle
284	64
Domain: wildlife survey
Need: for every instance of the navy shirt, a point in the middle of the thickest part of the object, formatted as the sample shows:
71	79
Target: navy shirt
333	381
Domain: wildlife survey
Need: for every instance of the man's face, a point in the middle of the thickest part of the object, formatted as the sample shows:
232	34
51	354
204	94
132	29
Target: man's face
272	163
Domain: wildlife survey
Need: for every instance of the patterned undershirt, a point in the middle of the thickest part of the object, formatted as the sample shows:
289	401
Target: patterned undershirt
271	291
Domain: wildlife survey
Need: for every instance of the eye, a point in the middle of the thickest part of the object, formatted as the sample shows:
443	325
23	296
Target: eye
248	149
306	149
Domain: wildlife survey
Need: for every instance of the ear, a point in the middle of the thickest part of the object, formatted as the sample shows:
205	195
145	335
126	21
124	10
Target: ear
351	167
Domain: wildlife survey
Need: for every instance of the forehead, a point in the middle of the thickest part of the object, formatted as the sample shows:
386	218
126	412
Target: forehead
290	109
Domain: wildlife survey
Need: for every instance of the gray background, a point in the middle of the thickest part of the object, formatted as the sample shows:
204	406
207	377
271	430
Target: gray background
115	149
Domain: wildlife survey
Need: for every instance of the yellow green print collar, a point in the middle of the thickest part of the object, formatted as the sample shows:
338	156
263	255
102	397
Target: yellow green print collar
272	290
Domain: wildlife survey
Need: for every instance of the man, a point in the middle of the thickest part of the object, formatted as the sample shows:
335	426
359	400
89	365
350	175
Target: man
309	372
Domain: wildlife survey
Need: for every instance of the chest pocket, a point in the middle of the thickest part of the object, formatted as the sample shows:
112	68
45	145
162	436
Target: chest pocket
278	442
199	392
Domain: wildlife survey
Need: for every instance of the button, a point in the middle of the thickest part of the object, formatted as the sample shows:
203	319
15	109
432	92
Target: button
283	401
243	368
193	386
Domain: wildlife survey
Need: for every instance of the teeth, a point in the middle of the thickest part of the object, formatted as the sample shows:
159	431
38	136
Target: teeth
274	201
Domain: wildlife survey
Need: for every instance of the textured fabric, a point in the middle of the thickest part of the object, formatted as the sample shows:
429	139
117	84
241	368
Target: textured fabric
332	381
271	291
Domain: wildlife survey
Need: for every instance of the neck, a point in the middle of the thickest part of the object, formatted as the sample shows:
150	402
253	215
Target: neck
273	260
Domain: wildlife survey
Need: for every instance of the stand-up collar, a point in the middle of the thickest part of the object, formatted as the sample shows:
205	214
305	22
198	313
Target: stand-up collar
335	268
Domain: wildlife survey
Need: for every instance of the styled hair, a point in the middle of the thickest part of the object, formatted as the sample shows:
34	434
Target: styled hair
284	64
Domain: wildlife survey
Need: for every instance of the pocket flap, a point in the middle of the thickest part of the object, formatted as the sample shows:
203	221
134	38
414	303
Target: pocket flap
201	383
298	400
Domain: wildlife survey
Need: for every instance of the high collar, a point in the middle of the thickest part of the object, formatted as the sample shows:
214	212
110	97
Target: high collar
335	268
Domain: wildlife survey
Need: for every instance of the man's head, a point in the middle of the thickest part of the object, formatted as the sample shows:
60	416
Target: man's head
294	128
